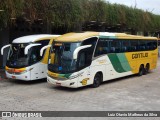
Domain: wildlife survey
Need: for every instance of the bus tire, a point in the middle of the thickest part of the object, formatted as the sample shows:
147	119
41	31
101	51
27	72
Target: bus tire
147	68
97	80
141	70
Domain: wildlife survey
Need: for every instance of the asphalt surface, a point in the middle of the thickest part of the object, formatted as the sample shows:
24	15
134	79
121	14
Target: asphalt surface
130	93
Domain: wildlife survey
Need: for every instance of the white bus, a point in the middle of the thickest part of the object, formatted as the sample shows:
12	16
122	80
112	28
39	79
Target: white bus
88	58
24	61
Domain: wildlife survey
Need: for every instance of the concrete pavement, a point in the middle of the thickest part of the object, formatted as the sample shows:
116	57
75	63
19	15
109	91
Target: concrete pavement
131	93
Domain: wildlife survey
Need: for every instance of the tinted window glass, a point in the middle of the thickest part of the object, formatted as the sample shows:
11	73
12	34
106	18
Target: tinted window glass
125	45
105	46
133	45
102	47
90	41
90	50
142	45
82	60
115	46
35	51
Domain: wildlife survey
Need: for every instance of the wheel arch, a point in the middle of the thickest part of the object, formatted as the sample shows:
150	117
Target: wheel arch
101	73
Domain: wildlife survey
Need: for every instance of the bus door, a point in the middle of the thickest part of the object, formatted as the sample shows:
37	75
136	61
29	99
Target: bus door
84	69
85	60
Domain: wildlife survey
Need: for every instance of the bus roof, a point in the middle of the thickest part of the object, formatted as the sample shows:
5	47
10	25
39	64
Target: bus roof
75	37
128	36
33	38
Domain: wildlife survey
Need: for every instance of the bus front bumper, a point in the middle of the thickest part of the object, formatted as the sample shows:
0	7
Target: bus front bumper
23	76
65	83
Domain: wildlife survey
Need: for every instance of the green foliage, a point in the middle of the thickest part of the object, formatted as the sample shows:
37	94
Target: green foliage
93	10
10	9
67	13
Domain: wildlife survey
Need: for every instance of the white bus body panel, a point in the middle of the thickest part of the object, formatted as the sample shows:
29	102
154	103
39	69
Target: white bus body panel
34	72
104	65
65	83
32	38
101	64
39	71
24	76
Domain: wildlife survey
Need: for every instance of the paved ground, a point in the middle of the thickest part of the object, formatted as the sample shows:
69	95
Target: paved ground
131	93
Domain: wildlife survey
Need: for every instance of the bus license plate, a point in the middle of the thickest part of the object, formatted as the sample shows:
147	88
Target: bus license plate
58	84
13	77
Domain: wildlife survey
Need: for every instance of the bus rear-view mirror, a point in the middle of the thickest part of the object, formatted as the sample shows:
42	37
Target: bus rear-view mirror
76	51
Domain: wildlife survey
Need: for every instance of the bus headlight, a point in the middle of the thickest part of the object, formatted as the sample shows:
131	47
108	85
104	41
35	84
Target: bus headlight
16	71
75	76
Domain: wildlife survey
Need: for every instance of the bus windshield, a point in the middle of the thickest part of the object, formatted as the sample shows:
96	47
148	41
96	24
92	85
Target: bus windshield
63	57
17	58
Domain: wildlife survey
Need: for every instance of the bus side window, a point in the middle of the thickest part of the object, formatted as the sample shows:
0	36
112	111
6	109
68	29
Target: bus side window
154	44
102	47
113	50
44	43
134	45
35	55
115	46
35	52
142	45
124	49
148	45
90	41
82	60
125	46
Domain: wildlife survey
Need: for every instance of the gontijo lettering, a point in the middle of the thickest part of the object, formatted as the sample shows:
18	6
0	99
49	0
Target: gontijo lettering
139	55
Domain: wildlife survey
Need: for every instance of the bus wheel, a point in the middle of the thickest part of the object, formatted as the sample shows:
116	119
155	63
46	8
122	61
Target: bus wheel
97	81
147	68
141	71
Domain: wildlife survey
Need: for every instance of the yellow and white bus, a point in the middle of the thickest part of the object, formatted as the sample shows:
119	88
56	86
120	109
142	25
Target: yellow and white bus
24	61
88	58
